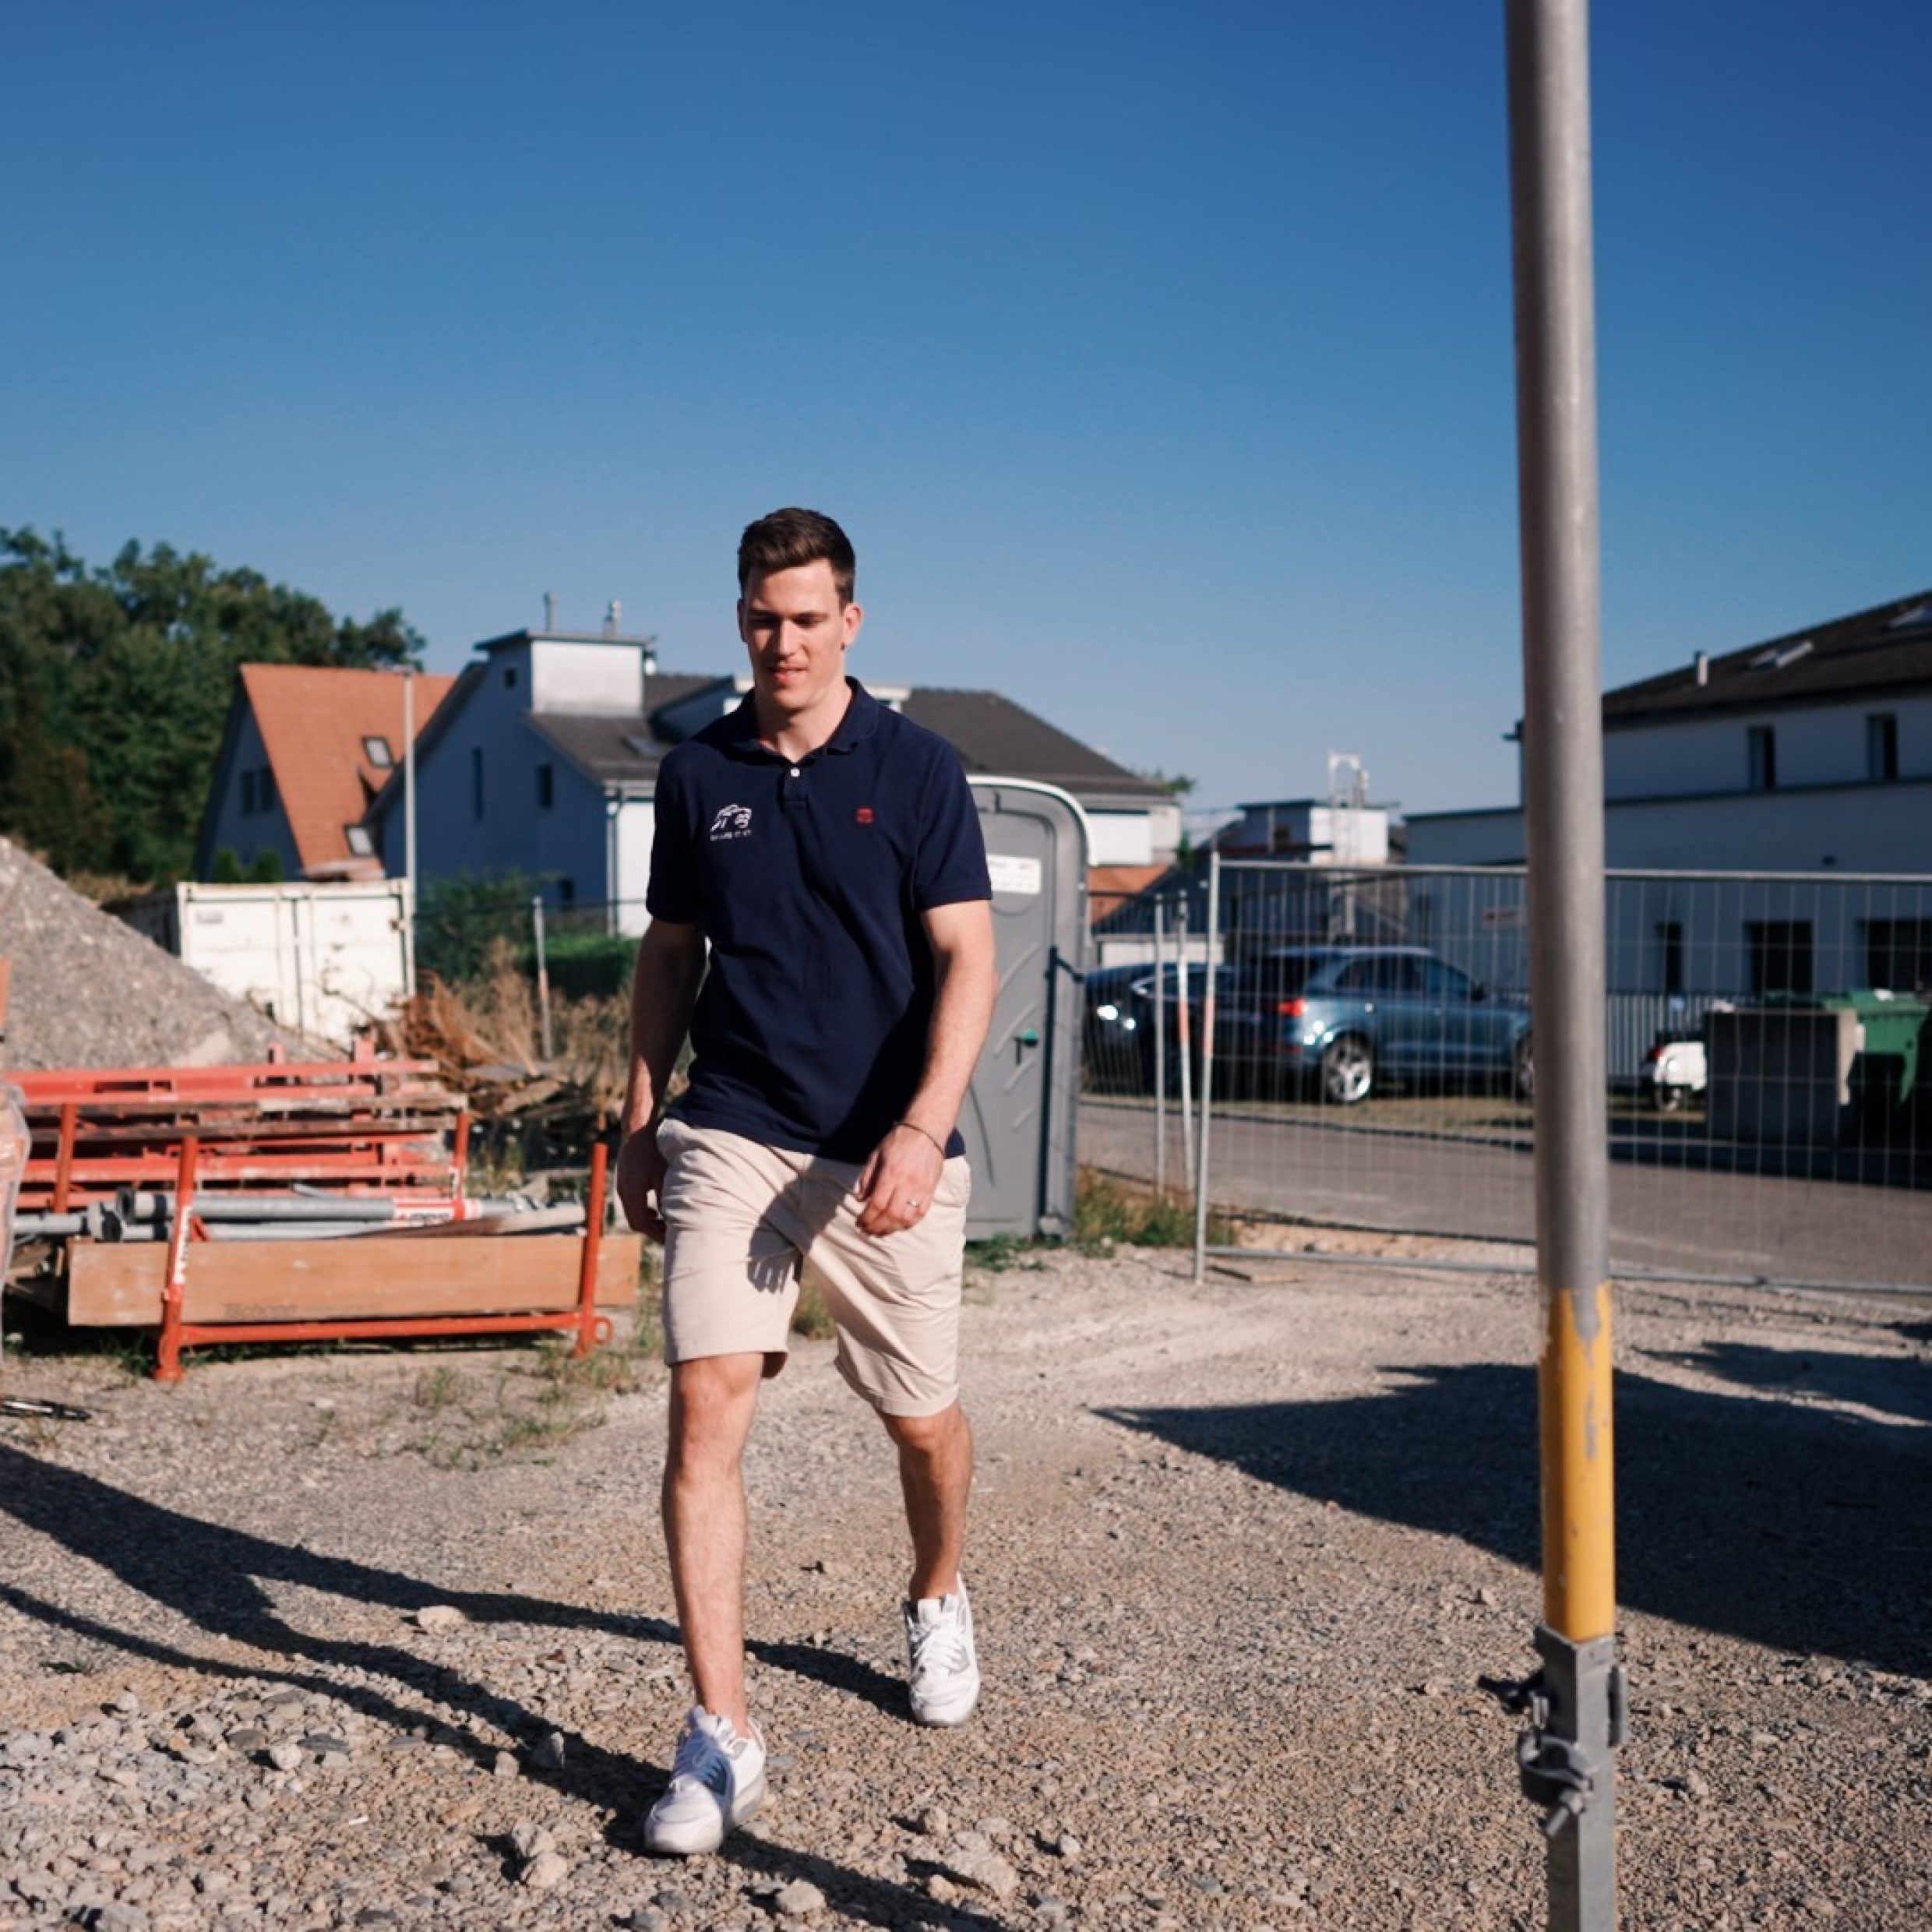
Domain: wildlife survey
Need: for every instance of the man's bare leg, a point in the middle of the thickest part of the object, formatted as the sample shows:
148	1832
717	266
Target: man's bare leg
712	1400
936	1473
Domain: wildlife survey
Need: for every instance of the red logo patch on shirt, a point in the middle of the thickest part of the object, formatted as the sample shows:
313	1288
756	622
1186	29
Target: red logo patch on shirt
863	815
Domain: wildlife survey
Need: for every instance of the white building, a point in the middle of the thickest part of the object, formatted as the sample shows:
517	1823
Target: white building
1809	754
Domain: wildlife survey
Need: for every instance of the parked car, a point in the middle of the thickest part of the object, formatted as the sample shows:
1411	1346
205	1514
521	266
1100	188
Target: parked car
1676	1071
1111	1055
1344	1021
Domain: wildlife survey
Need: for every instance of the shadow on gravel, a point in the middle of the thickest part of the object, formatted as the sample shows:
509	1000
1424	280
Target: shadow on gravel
1894	1386
1783	1523
215	1578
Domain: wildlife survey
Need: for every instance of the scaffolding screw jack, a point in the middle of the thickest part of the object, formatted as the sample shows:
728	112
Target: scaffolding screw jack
1558	1770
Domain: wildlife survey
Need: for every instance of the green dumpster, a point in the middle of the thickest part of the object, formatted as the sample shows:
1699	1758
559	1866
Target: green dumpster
1886	1073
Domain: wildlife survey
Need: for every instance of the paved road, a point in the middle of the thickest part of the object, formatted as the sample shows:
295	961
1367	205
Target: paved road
1676	1205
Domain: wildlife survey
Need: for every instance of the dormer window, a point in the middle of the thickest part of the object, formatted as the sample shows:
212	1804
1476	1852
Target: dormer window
361	844
377	751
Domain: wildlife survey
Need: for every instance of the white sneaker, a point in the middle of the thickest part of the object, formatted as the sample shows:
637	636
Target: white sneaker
945	1674
717	1781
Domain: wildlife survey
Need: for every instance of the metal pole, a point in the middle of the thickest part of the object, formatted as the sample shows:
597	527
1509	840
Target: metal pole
1576	1704
1160	1052
1207	1063
409	830
543	974
1183	1032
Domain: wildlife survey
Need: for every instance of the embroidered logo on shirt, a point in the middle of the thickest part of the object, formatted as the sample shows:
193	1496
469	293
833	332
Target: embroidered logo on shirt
863	815
733	821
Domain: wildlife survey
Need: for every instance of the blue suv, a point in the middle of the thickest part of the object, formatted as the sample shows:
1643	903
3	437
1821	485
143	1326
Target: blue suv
1346	1020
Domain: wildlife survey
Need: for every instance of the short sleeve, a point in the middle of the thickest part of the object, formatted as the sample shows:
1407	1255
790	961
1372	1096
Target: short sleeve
951	864
674	892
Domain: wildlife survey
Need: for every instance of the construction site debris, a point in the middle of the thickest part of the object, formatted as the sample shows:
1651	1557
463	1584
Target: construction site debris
356	1127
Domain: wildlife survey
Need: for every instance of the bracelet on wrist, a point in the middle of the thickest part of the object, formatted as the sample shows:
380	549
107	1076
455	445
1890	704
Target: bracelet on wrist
917	1129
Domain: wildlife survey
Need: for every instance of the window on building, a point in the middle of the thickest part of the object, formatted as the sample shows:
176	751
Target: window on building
476	781
546	787
1780	955
1761	757
510	677
566	893
1898	954
1670	955
1881	747
360	842
377	751
265	789
247	794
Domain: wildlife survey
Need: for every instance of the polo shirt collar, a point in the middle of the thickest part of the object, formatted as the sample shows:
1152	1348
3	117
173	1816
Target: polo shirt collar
860	721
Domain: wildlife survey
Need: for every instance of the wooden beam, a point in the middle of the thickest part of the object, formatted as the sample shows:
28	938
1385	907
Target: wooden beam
115	1284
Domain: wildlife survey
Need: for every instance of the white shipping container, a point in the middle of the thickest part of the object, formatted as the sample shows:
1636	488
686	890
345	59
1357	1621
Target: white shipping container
321	959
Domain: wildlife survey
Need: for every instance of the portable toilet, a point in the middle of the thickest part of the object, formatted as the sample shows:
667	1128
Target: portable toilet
1021	1111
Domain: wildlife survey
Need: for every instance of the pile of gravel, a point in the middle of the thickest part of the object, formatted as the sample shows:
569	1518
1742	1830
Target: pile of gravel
89	990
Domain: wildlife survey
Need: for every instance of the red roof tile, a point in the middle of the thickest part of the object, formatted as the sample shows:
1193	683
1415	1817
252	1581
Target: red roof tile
313	719
1107	886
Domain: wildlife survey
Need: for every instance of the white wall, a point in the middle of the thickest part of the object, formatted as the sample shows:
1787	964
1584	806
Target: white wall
248	838
1845	828
587	676
1120	838
1466	838
636	823
1820	744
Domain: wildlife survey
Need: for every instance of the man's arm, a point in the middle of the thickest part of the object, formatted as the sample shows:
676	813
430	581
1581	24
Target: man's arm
905	1166
663	990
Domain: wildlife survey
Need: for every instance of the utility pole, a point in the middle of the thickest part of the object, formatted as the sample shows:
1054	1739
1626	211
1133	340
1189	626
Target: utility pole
1575	1704
409	828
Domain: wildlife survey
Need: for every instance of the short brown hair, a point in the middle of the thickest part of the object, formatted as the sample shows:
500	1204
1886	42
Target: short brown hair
788	539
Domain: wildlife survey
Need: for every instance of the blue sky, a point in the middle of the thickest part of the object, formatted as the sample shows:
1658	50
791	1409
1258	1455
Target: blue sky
1161	370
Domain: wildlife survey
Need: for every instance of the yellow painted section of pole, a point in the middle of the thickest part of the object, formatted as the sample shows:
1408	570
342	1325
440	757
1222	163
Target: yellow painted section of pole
1578	1466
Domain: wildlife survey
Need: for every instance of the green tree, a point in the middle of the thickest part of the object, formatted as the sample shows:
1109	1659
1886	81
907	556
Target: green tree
115	681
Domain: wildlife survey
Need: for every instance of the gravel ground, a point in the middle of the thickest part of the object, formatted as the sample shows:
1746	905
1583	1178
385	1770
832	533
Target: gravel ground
300	1643
162	1012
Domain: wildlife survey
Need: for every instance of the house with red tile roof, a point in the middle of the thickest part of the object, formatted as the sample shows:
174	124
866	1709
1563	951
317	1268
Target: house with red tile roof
304	751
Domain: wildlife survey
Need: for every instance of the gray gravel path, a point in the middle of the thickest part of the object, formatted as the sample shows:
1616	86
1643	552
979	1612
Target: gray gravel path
271	1655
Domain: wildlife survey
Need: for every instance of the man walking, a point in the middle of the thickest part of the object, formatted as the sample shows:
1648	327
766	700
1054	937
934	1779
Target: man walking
818	870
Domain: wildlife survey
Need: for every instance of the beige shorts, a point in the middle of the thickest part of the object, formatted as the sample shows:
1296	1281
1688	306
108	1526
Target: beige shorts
744	1221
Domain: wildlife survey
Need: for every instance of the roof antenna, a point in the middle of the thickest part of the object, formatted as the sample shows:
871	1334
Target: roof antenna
611	617
550	610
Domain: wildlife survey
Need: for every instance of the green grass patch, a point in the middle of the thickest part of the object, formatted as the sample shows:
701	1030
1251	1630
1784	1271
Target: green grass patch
1109	1213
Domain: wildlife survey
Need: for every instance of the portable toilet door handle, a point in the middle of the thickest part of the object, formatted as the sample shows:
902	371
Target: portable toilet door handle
1028	1036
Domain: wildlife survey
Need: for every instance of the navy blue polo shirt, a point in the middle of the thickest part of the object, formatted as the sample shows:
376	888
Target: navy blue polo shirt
808	879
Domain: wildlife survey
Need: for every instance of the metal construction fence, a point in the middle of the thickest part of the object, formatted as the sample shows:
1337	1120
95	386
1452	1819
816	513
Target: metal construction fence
1298	1044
